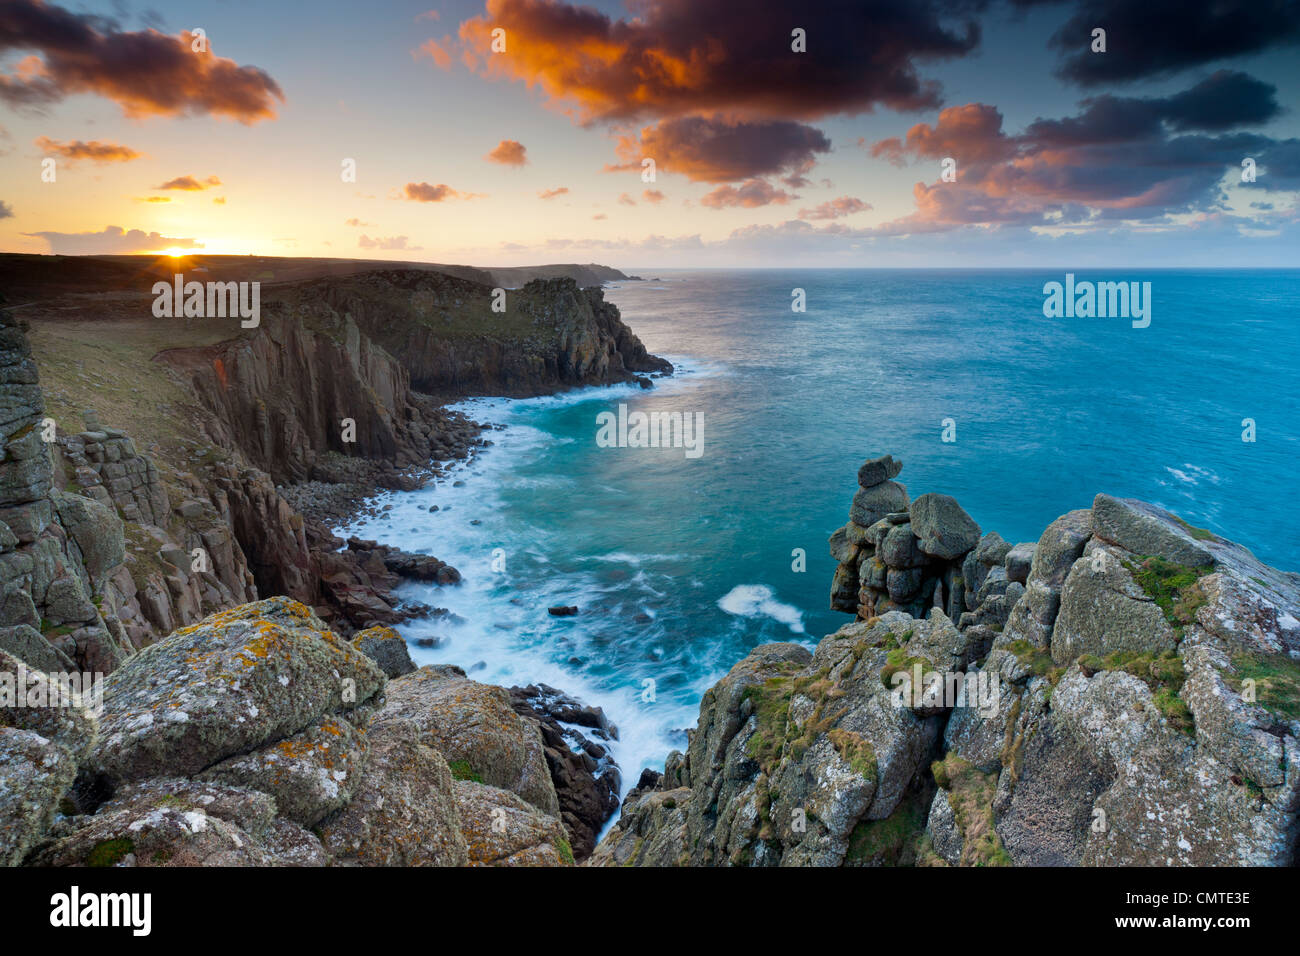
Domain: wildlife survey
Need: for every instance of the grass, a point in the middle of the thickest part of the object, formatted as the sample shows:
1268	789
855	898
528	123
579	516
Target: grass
970	794
565	851
777	737
1200	534
1163	673
1036	660
893	841
1174	587
1276	682
109	853
461	770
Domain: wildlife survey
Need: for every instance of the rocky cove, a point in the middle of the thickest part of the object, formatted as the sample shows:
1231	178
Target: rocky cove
250	729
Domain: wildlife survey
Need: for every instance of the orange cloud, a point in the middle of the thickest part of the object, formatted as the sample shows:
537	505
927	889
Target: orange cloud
423	192
94	151
653	196
835	208
190	184
508	152
552	193
748	195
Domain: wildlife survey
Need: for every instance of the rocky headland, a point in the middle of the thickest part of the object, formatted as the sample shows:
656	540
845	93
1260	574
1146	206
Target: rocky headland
144	545
1133	699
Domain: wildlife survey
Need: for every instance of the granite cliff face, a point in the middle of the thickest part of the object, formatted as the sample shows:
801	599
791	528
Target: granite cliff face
1131	697
149	570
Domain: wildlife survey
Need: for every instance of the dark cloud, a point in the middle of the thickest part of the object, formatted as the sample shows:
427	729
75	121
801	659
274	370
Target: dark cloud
1119	159
94	151
145	72
1223	101
716	150
6	210
1147	38
111	240
679	57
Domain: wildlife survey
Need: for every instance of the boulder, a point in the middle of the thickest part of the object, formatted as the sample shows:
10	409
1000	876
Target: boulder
1145	529
404	812
386	648
476	729
872	504
944	529
503	830
257	673
876	471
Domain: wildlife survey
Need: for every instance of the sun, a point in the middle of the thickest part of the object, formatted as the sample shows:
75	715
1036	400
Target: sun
175	253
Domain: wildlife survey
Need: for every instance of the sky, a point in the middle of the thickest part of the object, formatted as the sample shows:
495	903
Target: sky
512	132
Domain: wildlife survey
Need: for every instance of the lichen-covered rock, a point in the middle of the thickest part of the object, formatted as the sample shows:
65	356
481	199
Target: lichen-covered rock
476	729
942	526
259	672
503	830
650	832
404	813
169	822
386	648
872	504
310	774
44	735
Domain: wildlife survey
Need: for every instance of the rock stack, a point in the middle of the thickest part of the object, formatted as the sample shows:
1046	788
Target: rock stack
896	555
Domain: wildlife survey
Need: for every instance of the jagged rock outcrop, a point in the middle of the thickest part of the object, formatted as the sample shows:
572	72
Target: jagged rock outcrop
1124	691
258	737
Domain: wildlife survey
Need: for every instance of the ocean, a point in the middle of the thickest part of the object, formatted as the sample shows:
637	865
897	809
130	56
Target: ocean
680	564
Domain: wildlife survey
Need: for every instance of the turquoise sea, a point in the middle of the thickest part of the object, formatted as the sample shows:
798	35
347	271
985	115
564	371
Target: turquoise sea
680	565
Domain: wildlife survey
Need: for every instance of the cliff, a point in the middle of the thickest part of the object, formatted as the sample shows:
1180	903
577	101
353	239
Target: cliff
1124	691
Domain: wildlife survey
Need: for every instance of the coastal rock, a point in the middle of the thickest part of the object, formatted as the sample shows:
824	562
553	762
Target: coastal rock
1019	560
259	672
943	527
386	648
503	830
404	813
872	504
876	471
43	738
1144	529
476	729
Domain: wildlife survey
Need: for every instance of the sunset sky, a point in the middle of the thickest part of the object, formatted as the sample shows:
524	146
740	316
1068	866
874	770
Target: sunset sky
765	156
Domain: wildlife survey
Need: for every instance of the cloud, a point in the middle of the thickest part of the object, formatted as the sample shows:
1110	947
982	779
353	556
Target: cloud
423	192
146	73
1132	159
972	133
508	152
751	194
626	200
111	240
600	215
94	151
680	57
390	243
718	150
552	193
1160	37
357	222
154	199
190	184
219	200
653	196
835	208
6	210
1225	100
437	52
